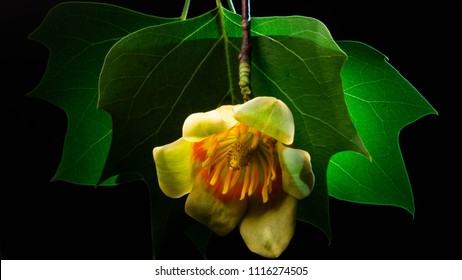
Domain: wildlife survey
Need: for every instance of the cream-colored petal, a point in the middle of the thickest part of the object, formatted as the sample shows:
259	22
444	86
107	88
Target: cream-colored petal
174	165
199	126
269	115
297	175
267	228
219	216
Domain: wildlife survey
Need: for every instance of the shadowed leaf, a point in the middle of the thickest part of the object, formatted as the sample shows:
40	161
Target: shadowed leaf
79	35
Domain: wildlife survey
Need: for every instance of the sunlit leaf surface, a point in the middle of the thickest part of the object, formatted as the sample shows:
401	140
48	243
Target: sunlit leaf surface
381	103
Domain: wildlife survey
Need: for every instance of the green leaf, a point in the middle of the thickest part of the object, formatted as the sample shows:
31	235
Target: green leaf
381	103
154	78
79	35
158	71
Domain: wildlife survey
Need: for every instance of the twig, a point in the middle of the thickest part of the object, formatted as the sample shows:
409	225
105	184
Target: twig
245	53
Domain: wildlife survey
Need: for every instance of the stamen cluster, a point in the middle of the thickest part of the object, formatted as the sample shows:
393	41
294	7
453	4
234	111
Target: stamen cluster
239	161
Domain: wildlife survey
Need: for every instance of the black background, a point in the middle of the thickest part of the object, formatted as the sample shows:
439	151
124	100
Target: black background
44	220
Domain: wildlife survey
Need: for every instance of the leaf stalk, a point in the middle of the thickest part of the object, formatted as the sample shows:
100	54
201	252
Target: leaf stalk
231	6
184	13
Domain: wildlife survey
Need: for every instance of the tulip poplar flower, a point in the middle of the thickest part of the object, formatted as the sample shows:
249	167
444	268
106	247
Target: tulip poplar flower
236	165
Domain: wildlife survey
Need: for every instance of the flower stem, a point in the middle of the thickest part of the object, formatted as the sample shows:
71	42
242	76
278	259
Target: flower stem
184	14
244	55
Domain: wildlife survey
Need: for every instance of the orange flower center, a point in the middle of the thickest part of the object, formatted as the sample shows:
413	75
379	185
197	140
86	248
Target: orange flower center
239	162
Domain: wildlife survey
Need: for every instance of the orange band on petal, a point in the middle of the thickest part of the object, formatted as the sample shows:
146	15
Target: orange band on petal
239	162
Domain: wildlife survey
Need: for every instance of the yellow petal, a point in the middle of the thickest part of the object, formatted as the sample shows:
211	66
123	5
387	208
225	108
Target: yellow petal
199	126
269	115
219	216
297	175
174	165
267	228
